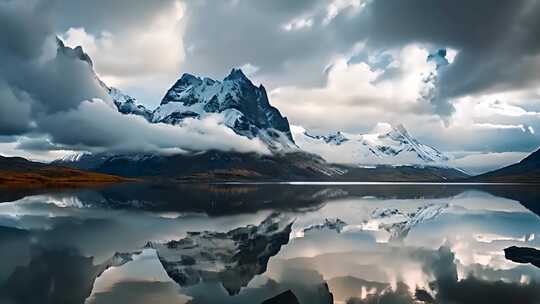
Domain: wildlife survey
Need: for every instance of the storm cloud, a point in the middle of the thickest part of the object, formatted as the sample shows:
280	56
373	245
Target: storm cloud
296	49
328	65
50	95
497	41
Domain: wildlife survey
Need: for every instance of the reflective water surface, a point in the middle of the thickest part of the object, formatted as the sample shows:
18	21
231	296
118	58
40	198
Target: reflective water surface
148	243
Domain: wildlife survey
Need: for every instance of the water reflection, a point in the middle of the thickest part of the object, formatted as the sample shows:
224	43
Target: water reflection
348	243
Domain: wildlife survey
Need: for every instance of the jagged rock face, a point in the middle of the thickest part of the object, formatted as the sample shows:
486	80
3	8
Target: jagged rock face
407	143
232	258
244	106
388	145
127	104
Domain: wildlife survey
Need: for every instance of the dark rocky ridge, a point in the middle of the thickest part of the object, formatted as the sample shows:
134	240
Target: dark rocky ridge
526	171
235	92
523	255
234	166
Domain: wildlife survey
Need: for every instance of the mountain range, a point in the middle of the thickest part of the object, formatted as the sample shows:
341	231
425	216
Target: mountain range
245	109
385	145
388	153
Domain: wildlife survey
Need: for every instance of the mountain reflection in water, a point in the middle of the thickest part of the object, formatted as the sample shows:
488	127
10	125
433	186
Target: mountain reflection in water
347	244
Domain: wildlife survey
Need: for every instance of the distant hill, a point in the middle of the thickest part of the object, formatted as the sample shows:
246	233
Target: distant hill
526	171
20	172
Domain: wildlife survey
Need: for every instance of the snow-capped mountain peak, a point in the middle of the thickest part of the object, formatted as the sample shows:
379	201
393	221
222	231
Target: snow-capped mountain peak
236	74
398	140
384	145
244	107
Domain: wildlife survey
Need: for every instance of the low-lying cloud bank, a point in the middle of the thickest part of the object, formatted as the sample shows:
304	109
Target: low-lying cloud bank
96	125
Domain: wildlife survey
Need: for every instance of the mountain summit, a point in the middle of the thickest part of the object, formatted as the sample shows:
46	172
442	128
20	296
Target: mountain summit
244	107
236	74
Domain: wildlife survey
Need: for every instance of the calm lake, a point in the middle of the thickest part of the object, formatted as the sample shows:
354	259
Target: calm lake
245	243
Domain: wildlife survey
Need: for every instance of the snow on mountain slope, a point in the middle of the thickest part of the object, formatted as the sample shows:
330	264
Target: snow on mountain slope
385	145
127	104
235	101
243	107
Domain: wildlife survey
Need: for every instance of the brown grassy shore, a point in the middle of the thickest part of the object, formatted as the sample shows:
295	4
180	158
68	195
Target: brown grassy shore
54	177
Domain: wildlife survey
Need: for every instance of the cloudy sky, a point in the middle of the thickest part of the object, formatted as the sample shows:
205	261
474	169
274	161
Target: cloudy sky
328	65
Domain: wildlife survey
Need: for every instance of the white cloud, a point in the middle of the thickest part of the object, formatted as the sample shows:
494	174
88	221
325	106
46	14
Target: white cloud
324	14
359	93
249	69
11	150
337	6
360	89
491	111
98	126
148	55
496	107
298	24
522	128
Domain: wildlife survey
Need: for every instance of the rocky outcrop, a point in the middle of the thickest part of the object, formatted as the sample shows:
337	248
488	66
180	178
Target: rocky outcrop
523	255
